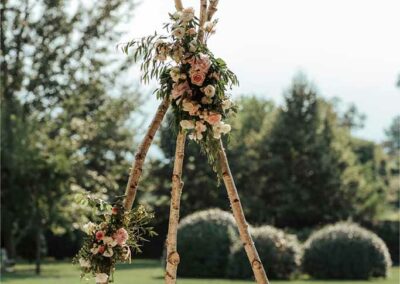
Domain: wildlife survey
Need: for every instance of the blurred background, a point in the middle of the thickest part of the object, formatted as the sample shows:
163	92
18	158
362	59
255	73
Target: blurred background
315	141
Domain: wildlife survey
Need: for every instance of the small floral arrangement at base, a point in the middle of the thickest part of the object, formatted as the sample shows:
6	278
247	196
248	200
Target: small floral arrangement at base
113	236
191	76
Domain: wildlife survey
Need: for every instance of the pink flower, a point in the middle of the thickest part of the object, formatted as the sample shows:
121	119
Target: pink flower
101	249
114	210
201	63
213	118
197	78
100	235
179	89
121	236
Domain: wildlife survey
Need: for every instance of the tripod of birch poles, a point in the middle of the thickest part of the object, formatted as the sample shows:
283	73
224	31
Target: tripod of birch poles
207	10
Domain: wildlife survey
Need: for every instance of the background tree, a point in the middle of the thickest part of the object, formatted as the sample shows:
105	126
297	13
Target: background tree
63	122
310	173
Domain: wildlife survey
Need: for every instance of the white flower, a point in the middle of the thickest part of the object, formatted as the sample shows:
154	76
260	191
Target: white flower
110	241
175	75
108	252
210	27
198	133
190	107
178	32
89	228
187	14
84	263
187	124
101	277
209	91
226	104
220	128
94	249
193	45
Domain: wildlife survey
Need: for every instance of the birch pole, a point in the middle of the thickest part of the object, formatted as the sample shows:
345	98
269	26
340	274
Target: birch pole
176	191
245	237
137	166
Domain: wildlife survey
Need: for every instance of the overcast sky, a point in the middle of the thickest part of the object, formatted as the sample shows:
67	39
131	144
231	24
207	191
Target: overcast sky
349	48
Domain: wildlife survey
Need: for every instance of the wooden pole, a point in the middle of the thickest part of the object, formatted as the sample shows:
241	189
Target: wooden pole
176	191
245	237
137	166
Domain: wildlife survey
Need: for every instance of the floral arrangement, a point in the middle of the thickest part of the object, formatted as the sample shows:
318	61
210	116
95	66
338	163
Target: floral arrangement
111	238
191	76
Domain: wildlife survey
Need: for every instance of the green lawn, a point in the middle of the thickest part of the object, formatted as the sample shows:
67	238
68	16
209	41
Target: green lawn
140	272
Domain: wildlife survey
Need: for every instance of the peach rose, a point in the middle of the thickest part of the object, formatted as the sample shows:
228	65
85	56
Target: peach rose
201	63
213	118
101	249
179	89
197	78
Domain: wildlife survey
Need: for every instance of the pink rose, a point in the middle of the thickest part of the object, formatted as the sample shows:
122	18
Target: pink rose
197	78
213	118
179	89
114	210
101	249
100	235
201	63
121	236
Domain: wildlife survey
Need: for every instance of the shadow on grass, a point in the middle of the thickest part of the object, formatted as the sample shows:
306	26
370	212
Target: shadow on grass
140	264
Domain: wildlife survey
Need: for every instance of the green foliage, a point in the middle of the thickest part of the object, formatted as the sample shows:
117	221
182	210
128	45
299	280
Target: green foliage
345	251
204	240
389	232
279	252
307	158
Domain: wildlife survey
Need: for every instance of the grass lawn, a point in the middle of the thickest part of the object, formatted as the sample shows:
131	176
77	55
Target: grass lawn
140	272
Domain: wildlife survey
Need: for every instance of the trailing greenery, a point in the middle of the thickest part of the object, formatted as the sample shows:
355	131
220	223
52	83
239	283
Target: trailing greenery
204	241
280	253
345	251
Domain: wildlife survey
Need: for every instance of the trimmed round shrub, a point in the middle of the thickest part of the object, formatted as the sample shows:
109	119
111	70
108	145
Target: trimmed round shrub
279	252
204	241
345	251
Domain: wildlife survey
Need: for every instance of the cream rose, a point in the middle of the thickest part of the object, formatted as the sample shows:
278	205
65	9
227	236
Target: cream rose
89	228
175	74
226	104
220	128
101	278
190	107
187	124
209	91
178	32
187	14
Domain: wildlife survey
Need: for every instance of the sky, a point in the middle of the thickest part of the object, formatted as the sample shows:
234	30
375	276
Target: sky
349	49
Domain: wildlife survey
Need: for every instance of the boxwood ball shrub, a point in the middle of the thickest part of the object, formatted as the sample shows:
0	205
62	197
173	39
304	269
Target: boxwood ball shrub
345	251
280	253
204	241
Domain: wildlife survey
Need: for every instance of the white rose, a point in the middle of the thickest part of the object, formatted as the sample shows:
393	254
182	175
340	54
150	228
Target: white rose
209	91
220	128
101	277
108	252
226	104
209	27
178	32
187	124
94	249
187	14
84	263
110	241
89	228
206	100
